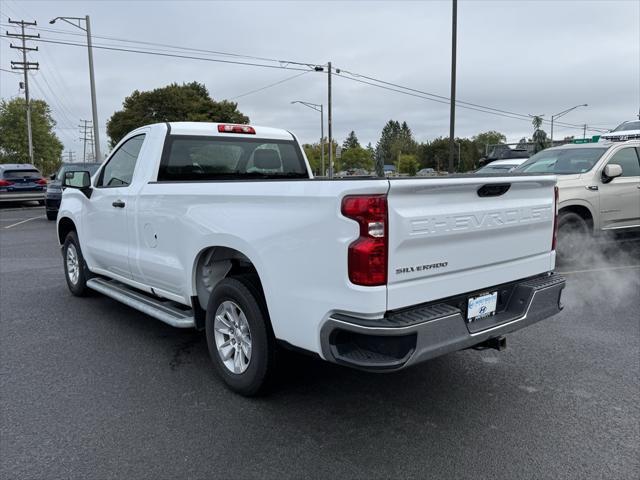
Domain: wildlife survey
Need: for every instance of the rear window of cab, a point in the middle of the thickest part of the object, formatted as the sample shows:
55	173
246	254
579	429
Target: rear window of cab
198	158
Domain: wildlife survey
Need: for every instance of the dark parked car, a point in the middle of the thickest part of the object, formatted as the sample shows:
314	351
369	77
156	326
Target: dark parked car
21	182
54	189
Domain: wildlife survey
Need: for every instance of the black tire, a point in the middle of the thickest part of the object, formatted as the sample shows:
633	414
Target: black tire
41	203
574	237
260	368
79	287
51	215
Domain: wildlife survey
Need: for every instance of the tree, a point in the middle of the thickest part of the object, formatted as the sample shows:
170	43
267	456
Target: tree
406	143
539	136
314	155
357	157
351	141
434	154
489	138
408	163
14	148
385	146
395	139
188	102
484	139
371	150
313	151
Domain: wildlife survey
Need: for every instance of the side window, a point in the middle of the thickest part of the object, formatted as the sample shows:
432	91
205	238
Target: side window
118	172
627	158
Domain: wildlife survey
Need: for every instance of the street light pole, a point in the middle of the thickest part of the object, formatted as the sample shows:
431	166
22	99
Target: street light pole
329	120
452	114
76	22
564	112
94	108
318	108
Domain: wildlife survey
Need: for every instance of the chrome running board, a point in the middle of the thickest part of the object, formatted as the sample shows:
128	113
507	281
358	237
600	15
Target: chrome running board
163	310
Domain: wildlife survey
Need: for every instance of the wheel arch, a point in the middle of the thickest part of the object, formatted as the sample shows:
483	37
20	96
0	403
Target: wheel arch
65	225
581	210
214	263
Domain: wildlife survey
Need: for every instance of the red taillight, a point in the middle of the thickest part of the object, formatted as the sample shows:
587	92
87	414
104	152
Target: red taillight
5	183
236	129
367	259
554	241
42	181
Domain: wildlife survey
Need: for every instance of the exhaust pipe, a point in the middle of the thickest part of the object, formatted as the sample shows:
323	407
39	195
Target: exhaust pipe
496	343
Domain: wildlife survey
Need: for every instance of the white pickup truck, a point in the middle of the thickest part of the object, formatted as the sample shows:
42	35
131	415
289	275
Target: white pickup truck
223	228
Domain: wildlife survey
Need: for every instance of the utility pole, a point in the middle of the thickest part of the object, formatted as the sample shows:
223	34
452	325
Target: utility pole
329	125
452	115
92	153
322	136
584	131
70	154
84	130
25	67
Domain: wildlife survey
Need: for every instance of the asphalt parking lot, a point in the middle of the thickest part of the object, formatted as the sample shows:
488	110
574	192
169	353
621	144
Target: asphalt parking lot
93	389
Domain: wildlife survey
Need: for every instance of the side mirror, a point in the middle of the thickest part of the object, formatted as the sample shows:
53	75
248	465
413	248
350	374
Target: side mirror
610	172
79	179
52	176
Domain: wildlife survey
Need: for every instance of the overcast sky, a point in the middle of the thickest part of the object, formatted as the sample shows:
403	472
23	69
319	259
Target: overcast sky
538	57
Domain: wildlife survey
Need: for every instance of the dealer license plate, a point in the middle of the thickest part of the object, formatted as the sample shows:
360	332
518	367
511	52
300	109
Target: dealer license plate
482	306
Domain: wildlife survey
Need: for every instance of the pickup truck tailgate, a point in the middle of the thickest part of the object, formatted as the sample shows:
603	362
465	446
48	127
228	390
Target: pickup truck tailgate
454	235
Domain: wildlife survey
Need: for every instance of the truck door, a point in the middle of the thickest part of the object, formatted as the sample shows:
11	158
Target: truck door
106	213
620	198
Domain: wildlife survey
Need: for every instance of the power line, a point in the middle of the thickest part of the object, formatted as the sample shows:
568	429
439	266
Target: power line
58	83
444	100
177	47
53	101
270	85
62	101
283	65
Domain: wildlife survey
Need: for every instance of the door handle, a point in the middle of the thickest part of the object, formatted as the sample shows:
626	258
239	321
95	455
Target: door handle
118	204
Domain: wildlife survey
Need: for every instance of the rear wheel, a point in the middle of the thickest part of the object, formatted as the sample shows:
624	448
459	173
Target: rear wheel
51	215
75	268
241	343
574	237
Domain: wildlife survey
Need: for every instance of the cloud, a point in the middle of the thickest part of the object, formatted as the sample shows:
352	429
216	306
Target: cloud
527	57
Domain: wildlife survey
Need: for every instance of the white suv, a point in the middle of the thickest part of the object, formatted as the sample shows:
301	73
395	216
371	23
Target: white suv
599	189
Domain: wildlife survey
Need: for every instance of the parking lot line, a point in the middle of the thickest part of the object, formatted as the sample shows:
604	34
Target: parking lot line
599	269
20	209
23	221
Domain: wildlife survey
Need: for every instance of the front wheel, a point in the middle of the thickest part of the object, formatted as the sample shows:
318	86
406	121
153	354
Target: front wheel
241	343
75	269
51	215
574	237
